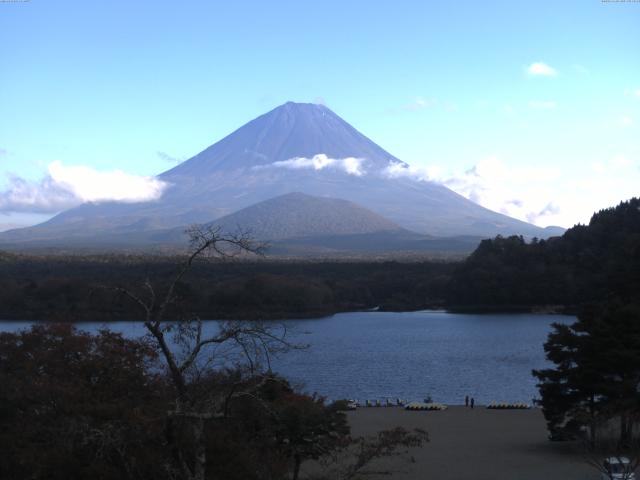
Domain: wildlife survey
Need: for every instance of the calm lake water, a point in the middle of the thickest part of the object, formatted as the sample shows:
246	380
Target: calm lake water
377	355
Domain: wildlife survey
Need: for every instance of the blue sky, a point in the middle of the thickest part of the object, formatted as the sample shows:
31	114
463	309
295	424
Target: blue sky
530	108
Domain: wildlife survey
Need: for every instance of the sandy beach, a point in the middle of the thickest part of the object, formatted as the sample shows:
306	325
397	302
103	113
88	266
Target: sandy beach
477	444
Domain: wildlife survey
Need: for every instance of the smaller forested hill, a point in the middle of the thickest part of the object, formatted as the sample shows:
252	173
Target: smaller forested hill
588	263
296	215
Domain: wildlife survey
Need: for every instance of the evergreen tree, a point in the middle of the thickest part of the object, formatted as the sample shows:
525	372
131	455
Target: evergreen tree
597	371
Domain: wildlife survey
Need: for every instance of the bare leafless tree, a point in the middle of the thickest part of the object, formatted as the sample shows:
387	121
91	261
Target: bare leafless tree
187	350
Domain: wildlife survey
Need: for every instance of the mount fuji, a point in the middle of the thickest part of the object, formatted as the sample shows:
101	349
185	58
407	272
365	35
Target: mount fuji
296	147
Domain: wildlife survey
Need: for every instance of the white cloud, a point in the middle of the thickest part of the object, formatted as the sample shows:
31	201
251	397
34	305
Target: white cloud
350	165
402	170
353	166
490	183
541	69
540	195
67	186
542	104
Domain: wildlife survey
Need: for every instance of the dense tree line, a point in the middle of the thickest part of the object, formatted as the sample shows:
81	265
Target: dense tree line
72	287
588	263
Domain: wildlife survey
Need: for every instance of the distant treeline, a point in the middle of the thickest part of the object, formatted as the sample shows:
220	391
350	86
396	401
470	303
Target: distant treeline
589	263
81	288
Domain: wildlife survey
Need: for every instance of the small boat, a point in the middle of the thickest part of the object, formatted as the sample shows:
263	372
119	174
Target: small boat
432	406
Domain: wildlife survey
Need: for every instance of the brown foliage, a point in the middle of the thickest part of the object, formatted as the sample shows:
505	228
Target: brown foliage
75	405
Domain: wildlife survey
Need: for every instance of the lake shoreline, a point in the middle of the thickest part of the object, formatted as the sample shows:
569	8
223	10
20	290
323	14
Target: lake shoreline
287	316
537	309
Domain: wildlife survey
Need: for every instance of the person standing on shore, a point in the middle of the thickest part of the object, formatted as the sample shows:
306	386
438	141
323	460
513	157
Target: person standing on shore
473	401
466	400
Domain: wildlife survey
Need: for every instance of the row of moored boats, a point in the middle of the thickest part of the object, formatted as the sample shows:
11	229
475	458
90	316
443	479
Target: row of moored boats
428	405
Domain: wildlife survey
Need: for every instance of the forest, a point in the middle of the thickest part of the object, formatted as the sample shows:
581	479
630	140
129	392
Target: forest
588	263
74	288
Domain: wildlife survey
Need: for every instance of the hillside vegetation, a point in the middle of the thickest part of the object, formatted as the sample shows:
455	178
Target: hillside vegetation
595	262
72	288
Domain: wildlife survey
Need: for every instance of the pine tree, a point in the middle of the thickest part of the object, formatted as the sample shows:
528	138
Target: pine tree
597	371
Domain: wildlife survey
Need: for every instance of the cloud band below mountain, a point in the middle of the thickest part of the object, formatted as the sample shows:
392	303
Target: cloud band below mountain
68	186
536	194
350	165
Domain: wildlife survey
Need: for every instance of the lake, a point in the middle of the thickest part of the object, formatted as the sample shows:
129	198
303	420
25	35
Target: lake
377	355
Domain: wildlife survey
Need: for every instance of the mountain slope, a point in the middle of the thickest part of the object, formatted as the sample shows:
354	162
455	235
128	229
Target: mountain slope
294	148
299	215
289	131
295	215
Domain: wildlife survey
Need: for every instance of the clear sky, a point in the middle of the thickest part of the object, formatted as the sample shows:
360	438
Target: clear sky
530	108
